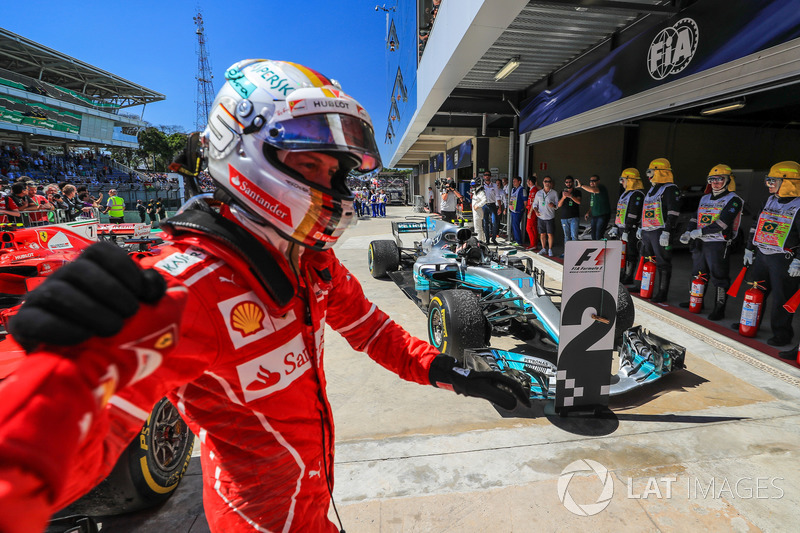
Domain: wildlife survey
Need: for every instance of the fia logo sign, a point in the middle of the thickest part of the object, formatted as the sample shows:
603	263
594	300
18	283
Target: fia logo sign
672	49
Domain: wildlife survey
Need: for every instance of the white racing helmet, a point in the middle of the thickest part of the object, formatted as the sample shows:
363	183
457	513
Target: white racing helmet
267	108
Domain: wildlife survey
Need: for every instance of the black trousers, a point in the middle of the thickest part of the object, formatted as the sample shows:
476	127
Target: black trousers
772	272
663	255
712	258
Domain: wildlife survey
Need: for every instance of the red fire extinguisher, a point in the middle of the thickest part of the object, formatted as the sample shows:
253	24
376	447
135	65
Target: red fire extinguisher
648	278
624	247
751	310
696	293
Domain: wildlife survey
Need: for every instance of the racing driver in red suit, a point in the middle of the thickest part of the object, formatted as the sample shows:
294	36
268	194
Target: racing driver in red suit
227	320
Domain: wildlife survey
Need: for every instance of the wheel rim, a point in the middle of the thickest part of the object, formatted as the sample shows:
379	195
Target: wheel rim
369	258
436	327
169	436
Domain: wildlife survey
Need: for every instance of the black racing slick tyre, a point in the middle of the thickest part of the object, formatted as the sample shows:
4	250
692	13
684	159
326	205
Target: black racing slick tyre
456	322
626	314
383	257
149	469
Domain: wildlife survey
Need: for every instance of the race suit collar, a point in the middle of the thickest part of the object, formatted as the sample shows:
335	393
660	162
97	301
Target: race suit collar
266	233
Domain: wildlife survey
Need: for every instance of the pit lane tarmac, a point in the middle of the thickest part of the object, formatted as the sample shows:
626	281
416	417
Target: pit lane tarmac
714	447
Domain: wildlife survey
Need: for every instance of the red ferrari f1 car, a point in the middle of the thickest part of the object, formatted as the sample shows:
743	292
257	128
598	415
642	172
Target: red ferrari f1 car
152	466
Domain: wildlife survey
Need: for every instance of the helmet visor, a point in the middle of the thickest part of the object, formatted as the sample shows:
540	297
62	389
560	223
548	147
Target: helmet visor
327	132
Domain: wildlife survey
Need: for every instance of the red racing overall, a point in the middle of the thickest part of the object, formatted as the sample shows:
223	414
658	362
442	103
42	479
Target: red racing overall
247	377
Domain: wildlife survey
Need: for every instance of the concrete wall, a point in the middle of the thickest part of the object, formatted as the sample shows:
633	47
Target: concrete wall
693	149
498	154
596	152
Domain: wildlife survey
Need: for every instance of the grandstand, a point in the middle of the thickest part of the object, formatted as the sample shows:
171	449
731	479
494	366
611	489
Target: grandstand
48	98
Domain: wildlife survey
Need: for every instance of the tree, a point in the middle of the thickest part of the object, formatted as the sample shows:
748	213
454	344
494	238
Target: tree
158	149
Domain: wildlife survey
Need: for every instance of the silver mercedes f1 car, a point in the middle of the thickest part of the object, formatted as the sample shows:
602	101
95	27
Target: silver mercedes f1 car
471	293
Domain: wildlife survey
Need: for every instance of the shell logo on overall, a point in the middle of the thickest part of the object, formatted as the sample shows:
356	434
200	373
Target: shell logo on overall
247	321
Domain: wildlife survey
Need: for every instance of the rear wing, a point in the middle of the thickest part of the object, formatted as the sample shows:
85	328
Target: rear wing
409	226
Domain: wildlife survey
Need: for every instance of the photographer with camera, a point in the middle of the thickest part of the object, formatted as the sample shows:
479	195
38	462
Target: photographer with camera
447	205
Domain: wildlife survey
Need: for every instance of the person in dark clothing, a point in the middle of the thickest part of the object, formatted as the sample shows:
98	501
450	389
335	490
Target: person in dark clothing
570	205
151	211
161	209
711	231
628	219
660	214
773	247
142	209
600	208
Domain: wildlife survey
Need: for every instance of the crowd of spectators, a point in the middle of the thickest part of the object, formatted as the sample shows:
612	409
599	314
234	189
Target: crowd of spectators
205	182
430	17
23	201
154	181
87	165
88	168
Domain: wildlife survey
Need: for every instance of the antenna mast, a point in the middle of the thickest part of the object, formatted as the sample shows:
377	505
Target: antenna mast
205	87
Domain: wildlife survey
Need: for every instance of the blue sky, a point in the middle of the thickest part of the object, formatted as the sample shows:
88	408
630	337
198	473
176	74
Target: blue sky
153	43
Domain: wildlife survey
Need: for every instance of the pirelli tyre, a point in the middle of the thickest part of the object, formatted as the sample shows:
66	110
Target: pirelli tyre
382	257
626	313
149	469
456	322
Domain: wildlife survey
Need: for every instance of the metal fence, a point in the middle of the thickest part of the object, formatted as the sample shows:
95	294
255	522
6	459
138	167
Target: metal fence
45	217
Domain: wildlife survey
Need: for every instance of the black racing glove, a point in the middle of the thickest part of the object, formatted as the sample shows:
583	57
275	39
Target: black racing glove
477	377
91	296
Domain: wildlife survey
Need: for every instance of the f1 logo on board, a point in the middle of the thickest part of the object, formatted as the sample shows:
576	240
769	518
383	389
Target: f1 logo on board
591	260
672	49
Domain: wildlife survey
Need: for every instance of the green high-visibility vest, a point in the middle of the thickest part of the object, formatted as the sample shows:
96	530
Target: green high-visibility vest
118	209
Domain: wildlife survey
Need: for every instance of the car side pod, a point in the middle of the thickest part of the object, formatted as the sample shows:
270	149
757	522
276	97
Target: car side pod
644	358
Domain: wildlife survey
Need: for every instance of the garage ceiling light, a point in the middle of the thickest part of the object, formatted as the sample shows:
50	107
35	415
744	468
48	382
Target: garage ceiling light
724	107
509	67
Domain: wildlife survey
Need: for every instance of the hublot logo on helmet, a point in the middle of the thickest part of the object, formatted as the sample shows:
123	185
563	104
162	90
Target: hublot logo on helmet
332	103
260	197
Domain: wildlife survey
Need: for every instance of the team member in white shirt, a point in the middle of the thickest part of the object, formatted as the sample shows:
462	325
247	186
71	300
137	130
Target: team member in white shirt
544	205
490	221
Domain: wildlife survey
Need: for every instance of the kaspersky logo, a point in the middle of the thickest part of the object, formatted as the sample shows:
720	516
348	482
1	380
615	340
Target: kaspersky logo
240	182
592	260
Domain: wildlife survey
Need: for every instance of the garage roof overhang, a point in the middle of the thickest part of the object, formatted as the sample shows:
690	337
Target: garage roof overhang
30	58
755	73
472	40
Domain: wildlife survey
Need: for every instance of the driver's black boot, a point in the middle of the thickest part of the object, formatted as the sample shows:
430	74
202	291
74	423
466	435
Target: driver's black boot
663	286
721	298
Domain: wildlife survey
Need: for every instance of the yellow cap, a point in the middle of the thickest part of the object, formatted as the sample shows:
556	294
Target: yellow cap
785	170
633	181
661	171
631	173
789	174
720	170
661	163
